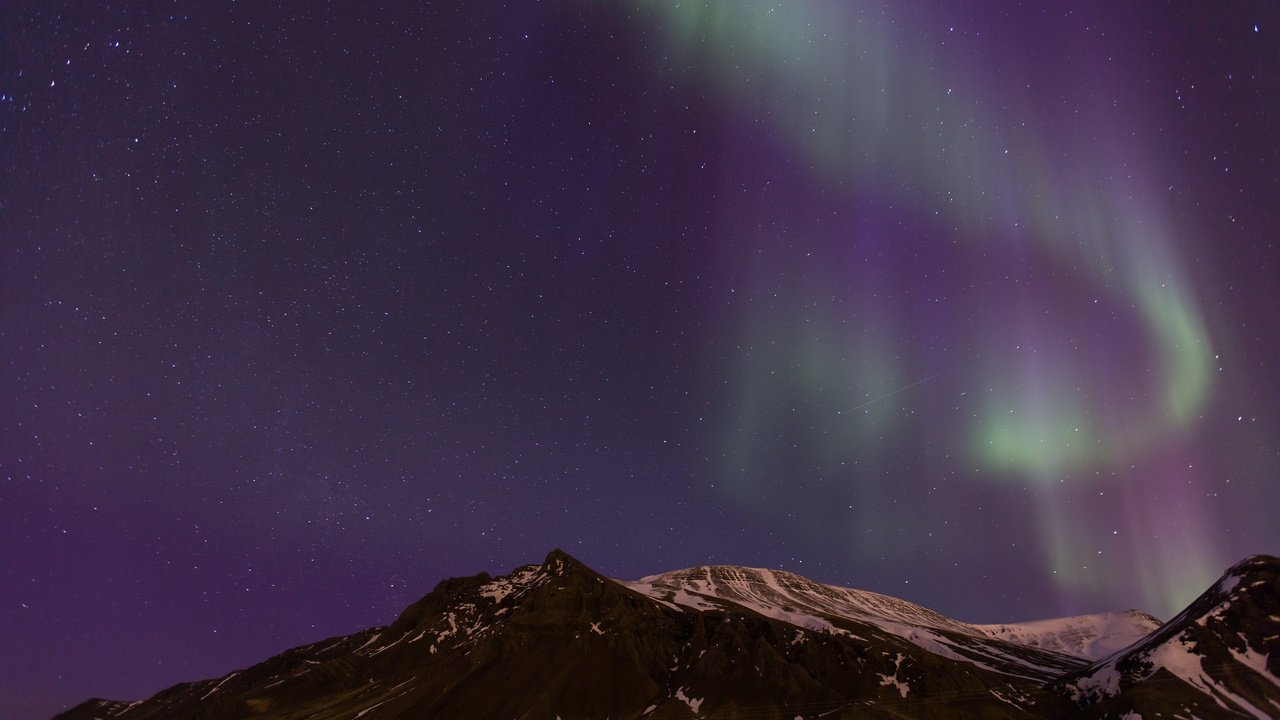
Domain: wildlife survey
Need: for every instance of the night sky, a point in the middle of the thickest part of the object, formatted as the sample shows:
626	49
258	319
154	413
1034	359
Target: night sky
305	308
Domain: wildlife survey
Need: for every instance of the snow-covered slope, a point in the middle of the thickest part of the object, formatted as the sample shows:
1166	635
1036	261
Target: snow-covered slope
807	604
1091	637
785	596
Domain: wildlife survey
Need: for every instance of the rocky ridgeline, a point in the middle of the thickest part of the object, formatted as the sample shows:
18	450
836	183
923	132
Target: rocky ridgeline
560	640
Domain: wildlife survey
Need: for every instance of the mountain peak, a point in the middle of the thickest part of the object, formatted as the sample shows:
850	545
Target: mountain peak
1255	564
558	561
1226	644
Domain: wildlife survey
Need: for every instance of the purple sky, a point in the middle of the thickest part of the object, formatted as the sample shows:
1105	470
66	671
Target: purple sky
304	310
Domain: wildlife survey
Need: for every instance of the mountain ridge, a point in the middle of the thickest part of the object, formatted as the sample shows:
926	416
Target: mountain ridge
558	639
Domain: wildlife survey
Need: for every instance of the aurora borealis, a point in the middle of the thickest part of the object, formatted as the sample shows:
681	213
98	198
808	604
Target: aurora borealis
1043	193
303	310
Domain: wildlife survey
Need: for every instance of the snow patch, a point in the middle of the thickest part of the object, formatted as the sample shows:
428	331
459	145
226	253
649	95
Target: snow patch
1103	682
693	703
886	680
371	708
369	642
515	584
1227	584
220	684
1008	701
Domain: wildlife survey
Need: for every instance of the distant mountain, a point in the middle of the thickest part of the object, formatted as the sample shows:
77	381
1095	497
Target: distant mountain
1085	636
558	640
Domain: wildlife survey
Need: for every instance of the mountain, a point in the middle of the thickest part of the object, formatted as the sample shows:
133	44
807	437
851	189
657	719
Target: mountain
799	601
558	640
1219	655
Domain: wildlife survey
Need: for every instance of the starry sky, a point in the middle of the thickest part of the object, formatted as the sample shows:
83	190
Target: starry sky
304	307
